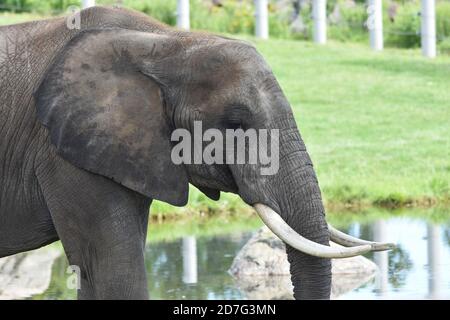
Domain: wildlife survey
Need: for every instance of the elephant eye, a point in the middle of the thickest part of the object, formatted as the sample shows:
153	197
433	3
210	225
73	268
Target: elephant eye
234	125
235	117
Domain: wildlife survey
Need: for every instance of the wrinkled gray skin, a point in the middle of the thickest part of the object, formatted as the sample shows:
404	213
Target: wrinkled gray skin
85	123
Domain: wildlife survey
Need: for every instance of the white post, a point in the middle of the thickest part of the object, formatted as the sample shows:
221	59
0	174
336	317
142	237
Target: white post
189	253
428	28
183	20
375	26
88	3
262	19
320	21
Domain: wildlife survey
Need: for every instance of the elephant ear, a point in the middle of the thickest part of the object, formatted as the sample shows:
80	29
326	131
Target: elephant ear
105	116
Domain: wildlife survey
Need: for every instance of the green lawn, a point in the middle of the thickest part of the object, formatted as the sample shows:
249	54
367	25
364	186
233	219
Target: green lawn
377	125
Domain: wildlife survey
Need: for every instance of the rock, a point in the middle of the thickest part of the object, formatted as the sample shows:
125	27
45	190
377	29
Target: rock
26	274
261	269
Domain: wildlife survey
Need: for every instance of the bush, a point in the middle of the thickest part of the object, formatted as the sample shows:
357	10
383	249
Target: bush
404	32
444	46
443	23
237	16
231	17
39	6
163	10
352	24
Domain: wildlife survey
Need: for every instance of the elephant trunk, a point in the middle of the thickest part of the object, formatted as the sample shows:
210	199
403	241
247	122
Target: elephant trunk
302	209
295	213
295	198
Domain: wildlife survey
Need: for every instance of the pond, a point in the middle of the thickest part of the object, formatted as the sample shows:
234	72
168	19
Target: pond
196	266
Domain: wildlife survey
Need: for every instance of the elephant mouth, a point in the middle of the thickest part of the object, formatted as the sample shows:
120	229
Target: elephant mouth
351	246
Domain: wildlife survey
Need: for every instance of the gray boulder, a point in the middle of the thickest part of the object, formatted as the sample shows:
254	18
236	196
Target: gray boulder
26	274
261	269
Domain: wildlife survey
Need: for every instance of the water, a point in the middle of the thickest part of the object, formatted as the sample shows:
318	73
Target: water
195	267
419	268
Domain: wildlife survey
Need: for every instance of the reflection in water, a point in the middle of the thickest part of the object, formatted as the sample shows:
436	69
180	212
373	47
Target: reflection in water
381	259
399	266
170	274
447	235
196	267
434	261
189	250
414	269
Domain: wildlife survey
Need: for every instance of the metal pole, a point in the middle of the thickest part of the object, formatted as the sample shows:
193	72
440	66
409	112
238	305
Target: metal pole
262	19
428	28
88	3
183	20
376	24
320	21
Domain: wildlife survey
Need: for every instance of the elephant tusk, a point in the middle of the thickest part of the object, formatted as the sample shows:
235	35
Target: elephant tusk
349	241
280	228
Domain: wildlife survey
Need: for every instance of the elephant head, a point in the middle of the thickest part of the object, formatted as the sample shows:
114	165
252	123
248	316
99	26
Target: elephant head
113	97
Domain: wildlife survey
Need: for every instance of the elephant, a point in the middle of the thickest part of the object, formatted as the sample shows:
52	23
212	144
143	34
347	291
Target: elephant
86	117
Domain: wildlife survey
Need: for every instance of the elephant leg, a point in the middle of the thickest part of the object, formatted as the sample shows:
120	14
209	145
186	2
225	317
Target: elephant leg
102	226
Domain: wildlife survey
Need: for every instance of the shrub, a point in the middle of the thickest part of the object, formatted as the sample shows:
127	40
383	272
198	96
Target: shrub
352	24
163	10
444	46
232	17
405	30
38	6
237	16
443	24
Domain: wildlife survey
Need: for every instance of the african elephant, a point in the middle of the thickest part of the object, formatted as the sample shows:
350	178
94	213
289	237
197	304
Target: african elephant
85	145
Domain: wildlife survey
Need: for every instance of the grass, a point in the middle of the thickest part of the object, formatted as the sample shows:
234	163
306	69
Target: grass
377	125
208	226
